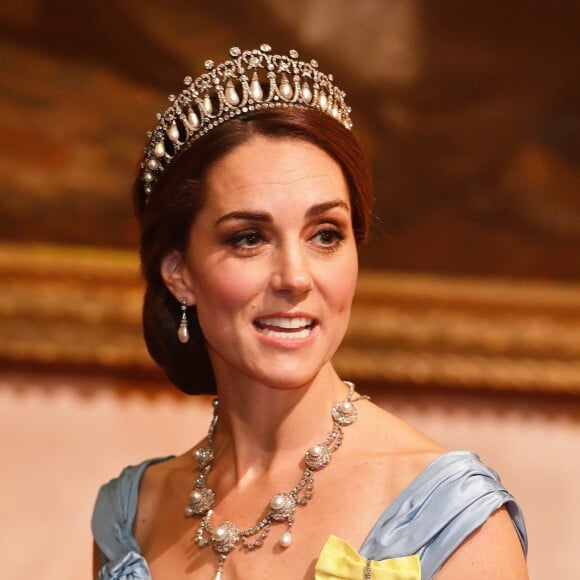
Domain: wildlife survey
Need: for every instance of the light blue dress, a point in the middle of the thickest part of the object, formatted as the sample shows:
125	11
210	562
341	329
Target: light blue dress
452	497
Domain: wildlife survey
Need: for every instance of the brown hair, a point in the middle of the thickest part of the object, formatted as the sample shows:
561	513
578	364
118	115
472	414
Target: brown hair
179	195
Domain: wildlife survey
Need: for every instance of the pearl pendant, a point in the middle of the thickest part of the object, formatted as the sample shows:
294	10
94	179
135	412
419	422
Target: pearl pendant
159	149
285	539
306	93
183	334
152	164
207	105
231	94
323	101
218	575
173	133
193	119
286	88
256	89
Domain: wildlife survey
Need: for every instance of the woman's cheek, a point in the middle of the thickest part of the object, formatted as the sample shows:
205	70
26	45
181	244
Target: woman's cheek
233	288
341	282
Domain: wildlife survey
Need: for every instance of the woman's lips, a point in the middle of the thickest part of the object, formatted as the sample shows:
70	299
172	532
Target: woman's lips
285	327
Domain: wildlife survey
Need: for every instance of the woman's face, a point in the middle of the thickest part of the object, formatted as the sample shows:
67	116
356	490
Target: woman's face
271	262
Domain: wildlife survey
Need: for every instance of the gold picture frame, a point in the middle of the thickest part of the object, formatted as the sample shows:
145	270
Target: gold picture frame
80	306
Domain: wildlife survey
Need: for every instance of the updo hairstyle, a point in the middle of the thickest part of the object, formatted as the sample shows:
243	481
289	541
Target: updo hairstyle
179	195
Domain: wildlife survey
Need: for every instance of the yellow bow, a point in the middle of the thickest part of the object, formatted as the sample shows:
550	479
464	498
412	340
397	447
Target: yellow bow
340	561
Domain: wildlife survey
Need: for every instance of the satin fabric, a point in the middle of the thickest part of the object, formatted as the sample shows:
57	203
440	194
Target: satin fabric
451	498
112	525
131	566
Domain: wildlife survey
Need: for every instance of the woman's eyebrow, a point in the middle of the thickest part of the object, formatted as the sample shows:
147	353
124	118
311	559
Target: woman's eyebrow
321	208
247	216
265	217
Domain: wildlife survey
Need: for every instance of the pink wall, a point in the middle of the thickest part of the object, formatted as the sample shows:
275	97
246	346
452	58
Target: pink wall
62	437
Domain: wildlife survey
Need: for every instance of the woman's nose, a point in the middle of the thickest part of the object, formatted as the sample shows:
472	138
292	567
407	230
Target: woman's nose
291	273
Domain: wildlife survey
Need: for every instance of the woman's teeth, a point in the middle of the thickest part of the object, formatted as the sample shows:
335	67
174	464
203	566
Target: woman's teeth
285	327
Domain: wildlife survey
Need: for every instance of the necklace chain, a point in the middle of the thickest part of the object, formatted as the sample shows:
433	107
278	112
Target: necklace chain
282	507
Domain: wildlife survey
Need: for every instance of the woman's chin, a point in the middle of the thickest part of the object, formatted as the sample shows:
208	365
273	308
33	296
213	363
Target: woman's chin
291	376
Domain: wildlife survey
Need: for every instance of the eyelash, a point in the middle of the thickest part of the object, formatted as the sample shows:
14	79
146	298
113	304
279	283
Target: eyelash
237	240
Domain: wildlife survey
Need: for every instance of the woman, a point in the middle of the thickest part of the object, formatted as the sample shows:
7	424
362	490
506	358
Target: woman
253	198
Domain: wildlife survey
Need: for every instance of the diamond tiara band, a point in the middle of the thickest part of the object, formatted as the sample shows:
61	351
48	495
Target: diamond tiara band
251	80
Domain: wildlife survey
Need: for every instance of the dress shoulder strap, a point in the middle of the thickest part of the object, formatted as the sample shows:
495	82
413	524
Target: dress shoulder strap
452	497
115	510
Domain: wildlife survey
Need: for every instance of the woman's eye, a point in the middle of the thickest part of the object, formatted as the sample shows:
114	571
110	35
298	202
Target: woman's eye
329	237
245	240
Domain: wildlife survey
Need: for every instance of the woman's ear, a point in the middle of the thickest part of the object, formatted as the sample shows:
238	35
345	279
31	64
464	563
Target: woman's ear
177	278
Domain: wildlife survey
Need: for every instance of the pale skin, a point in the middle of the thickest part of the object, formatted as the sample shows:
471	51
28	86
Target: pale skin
278	240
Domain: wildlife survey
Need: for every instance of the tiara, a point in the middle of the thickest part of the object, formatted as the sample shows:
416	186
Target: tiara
250	81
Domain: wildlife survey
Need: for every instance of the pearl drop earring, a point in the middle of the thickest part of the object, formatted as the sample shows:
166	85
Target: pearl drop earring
183	331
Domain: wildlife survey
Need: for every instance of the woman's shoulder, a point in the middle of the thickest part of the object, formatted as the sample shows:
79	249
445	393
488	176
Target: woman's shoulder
117	498
441	498
115	509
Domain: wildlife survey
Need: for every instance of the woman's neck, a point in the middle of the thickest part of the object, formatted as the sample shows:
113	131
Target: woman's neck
263	429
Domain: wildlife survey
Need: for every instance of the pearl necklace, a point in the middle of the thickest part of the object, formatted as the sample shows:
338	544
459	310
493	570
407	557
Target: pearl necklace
227	536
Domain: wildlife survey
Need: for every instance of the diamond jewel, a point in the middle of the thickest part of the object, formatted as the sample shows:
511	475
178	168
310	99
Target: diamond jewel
225	537
204	457
201	500
344	413
235	51
317	457
282	507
